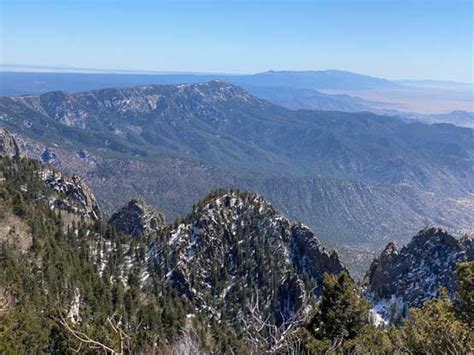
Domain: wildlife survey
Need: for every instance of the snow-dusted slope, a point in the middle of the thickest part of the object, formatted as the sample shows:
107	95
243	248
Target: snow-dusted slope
412	275
234	251
74	194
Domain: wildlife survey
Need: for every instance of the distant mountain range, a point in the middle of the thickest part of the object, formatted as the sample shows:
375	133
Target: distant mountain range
295	90
21	83
316	80
458	118
355	178
332	90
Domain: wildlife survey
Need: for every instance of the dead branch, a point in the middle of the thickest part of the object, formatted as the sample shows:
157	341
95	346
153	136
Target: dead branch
266	337
84	339
6	298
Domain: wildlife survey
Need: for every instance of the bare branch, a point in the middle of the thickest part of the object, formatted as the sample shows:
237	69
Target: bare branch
84	338
266	337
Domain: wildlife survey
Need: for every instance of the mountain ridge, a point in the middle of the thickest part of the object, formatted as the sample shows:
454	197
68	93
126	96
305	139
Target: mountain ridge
216	135
301	90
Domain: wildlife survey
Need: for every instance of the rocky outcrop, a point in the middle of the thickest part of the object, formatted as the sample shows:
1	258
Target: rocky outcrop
233	243
137	218
49	156
308	254
13	228
72	194
415	273
8	145
75	195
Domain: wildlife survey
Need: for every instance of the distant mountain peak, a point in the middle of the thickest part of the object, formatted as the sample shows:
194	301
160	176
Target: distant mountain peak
220	90
316	80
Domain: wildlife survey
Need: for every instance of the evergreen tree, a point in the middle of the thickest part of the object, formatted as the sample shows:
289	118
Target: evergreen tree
435	329
465	293
342	311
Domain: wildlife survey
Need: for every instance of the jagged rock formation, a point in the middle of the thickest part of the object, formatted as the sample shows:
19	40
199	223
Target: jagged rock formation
234	249
71	194
8	145
49	156
68	263
137	218
79	198
414	273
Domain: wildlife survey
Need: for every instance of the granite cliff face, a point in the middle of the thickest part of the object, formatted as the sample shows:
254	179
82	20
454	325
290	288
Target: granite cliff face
79	198
8	145
137	218
413	274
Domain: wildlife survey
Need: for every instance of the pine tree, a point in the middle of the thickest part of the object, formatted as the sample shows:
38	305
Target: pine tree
435	329
342	311
465	293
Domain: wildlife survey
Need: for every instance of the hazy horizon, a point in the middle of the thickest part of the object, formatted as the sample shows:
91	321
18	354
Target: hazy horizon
26	68
398	40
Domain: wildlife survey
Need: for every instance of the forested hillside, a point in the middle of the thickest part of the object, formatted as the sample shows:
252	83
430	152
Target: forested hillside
357	179
233	276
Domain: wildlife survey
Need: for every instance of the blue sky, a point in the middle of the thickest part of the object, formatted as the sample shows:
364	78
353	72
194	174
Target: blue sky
393	39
